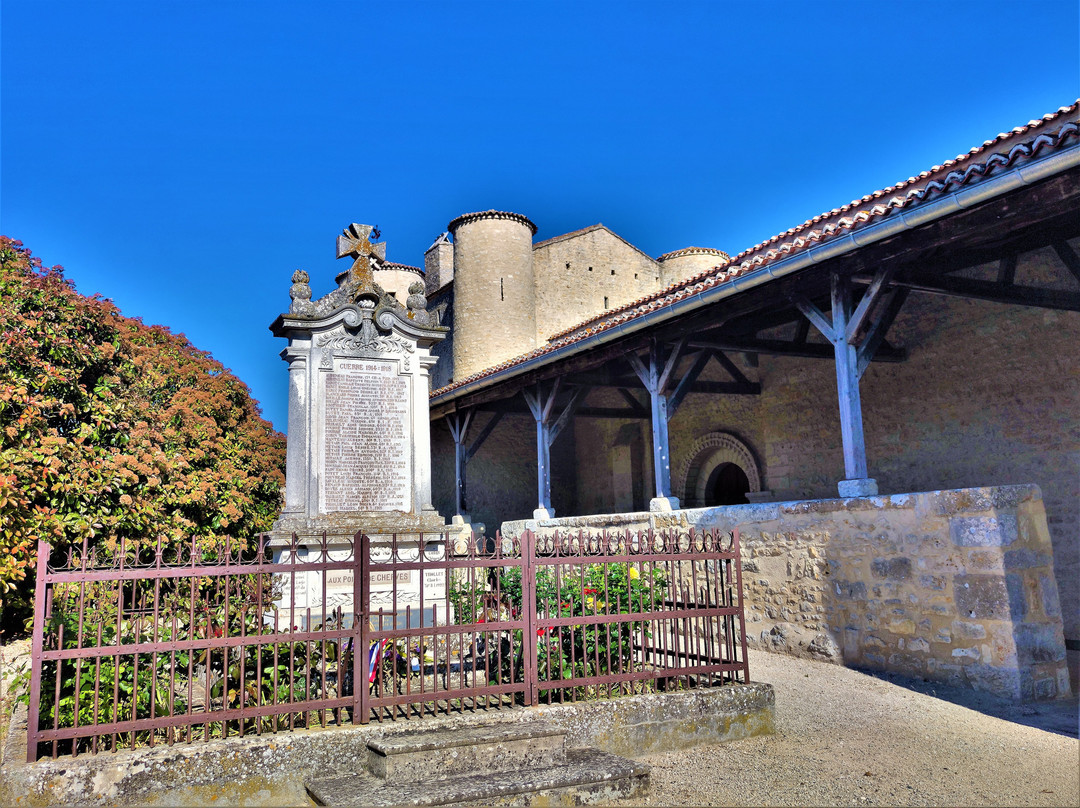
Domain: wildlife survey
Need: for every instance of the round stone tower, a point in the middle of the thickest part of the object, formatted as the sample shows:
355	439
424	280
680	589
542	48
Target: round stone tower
494	291
397	278
690	261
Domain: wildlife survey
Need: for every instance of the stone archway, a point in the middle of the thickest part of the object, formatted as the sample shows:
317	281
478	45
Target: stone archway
708	454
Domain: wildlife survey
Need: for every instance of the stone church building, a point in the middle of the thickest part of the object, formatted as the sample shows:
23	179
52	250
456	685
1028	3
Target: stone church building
885	399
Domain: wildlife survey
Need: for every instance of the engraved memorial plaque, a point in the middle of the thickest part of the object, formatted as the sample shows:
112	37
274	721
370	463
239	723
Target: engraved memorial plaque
366	450
358	458
435	584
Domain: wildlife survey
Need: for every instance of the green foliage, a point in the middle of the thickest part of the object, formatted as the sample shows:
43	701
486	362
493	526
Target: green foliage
578	650
134	686
275	673
112	430
103	688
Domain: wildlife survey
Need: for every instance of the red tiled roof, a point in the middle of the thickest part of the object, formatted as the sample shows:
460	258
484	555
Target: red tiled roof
467	218
937	181
406	267
694	251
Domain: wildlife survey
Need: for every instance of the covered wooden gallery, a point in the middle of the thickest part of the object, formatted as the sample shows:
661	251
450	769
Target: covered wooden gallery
921	339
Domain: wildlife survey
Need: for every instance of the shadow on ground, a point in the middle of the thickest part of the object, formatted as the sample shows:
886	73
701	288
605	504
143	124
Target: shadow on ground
1061	716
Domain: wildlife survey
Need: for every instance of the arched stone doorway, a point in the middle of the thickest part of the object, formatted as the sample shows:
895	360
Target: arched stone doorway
727	485
719	470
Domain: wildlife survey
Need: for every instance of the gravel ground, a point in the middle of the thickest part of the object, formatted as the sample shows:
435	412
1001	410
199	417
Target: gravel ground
847	738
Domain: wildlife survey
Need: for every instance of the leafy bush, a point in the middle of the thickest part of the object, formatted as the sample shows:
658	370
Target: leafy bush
103	688
578	650
112	430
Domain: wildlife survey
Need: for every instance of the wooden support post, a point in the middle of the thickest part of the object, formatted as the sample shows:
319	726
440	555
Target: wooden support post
654	377
847	383
854	335
541	404
459	428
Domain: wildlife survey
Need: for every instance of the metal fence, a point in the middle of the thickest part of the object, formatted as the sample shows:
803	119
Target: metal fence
144	644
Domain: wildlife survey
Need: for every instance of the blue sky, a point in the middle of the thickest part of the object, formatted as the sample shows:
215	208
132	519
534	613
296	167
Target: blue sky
183	159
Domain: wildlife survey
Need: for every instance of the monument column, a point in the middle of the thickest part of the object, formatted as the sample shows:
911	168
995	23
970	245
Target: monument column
422	433
296	448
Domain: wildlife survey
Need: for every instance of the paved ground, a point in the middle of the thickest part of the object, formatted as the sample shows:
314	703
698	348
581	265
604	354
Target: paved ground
846	738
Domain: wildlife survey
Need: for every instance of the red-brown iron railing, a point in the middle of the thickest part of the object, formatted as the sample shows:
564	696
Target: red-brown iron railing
619	612
146	644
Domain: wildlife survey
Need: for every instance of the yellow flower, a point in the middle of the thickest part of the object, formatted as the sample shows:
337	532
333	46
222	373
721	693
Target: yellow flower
634	574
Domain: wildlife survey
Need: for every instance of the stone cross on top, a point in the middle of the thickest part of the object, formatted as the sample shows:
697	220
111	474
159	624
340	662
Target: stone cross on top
354	242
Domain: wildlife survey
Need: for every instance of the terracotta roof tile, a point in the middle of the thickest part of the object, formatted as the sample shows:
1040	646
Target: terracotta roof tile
467	218
693	251
406	267
939	180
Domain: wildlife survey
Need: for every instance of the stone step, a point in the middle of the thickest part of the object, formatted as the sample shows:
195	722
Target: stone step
586	777
423	755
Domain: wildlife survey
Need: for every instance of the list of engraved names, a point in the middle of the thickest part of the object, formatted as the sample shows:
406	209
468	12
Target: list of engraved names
366	455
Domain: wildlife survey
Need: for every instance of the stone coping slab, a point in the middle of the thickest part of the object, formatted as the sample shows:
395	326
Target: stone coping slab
587	776
278	763
421	740
425	755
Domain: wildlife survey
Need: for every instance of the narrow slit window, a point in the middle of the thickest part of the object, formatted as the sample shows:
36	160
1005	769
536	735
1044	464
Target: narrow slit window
613	272
502	296
605	301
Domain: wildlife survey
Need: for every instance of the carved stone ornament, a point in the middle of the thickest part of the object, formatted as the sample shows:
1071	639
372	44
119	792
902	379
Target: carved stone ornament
368	342
416	299
301	295
417	307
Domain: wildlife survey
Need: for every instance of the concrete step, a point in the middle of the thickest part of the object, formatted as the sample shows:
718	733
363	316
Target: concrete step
424	755
585	777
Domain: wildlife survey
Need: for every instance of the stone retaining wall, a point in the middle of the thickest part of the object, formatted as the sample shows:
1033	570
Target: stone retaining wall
953	586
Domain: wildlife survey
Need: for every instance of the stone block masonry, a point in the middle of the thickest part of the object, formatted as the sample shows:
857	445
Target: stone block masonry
952	586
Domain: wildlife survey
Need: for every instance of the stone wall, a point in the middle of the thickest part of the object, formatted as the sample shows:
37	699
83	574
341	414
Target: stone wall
442	304
581	274
952	586
613	460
